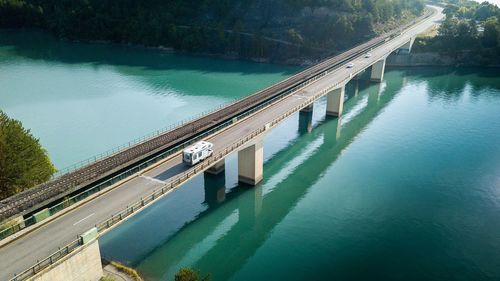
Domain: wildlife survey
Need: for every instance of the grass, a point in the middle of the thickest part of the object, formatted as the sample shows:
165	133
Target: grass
127	270
107	278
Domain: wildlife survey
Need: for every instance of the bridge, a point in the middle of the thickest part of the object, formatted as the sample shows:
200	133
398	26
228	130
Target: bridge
128	181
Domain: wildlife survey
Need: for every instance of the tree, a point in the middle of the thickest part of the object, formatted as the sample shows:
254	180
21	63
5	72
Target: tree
485	11
23	161
187	274
491	32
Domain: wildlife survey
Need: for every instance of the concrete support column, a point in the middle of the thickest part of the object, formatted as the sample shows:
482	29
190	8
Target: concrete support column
251	163
378	69
406	48
215	188
305	122
308	108
335	102
216	168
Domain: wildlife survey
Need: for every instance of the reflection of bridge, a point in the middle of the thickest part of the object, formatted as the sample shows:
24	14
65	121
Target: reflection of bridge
243	133
249	230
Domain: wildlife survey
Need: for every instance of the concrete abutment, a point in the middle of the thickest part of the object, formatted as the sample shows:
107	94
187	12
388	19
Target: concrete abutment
84	264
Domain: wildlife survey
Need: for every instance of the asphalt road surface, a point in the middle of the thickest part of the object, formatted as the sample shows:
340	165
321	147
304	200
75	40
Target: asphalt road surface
22	253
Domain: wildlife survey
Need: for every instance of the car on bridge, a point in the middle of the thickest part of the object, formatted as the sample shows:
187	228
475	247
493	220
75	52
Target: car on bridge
197	152
350	65
368	55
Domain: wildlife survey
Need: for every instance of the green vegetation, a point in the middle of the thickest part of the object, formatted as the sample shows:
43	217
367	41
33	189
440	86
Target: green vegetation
127	270
23	162
107	278
470	29
187	274
271	29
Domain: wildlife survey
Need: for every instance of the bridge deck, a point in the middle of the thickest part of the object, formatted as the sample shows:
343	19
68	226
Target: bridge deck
23	252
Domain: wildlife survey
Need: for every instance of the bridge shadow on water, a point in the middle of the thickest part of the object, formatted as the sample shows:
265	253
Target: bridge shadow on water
227	223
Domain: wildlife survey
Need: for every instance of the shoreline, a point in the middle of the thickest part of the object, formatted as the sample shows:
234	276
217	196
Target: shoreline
436	59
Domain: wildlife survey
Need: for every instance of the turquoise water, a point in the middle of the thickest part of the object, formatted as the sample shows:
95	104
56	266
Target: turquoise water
405	186
85	99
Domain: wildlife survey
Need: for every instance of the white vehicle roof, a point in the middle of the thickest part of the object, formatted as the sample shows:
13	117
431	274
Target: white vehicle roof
199	146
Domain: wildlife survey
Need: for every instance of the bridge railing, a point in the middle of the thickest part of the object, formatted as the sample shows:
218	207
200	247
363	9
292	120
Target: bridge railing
125	146
69	201
41	265
172	184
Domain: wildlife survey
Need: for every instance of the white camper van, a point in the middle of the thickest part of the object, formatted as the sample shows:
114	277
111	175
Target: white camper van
197	152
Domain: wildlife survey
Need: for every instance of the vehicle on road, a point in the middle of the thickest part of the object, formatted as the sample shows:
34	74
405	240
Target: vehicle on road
368	55
197	152
350	65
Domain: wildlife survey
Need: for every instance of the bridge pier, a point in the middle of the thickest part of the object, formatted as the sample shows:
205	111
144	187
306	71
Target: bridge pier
335	102
305	122
308	108
378	69
406	48
251	163
215	188
216	168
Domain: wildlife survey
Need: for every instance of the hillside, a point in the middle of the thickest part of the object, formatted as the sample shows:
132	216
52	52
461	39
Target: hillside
268	30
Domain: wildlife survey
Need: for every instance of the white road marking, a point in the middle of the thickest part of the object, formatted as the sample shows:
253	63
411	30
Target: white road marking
152	179
83	219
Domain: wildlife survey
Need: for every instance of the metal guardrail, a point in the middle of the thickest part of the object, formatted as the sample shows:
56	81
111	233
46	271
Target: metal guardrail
41	265
85	194
175	181
10	230
125	146
157	194
167	187
103	168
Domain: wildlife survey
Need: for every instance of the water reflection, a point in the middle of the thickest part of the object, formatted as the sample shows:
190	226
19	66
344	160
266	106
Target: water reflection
288	174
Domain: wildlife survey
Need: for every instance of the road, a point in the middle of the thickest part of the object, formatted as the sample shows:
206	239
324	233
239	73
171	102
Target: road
39	244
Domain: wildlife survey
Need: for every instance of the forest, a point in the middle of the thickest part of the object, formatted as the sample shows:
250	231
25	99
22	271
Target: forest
268	29
468	27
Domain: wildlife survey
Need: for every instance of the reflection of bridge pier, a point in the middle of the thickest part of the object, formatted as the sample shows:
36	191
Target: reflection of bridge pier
244	124
249	209
259	214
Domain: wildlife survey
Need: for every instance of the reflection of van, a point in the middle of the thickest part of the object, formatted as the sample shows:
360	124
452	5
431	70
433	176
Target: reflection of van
197	152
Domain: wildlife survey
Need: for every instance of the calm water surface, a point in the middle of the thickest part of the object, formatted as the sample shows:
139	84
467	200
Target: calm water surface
405	186
85	99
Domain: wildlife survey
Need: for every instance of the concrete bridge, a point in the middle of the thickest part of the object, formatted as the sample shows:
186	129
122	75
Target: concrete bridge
47	250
